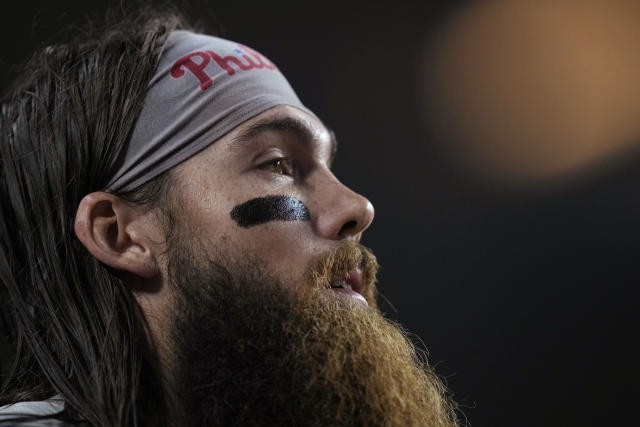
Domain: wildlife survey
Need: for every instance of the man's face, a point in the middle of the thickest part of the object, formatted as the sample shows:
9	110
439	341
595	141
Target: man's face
256	333
234	193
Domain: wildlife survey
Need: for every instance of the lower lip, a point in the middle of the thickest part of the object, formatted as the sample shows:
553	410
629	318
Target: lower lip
350	295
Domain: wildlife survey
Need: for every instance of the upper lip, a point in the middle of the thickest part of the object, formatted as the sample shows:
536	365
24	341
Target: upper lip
353	278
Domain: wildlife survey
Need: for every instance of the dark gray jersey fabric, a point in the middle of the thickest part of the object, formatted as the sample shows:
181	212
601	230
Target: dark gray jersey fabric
34	414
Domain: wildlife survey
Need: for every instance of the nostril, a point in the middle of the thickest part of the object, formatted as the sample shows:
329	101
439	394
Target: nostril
348	226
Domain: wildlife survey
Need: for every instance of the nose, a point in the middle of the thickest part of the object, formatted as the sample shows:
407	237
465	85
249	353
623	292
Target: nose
340	213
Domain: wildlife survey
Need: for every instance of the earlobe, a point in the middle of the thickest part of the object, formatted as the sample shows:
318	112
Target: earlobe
112	232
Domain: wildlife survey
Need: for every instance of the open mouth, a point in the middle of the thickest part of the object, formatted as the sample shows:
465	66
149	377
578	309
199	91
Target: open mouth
341	284
350	287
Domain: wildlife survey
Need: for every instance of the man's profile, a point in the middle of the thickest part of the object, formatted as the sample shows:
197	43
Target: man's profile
175	249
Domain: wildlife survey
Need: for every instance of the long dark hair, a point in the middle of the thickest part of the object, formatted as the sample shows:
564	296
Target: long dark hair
74	326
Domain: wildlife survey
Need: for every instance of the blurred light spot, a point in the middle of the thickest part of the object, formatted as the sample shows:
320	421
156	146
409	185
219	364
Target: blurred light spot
531	90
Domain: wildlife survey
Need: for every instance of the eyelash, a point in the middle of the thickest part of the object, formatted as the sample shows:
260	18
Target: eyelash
283	162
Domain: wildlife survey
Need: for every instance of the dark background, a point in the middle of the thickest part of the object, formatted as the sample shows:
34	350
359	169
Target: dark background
526	300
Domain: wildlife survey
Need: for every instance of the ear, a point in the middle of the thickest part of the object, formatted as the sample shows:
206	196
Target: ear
114	233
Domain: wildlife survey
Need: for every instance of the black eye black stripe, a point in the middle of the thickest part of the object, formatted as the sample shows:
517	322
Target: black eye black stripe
270	208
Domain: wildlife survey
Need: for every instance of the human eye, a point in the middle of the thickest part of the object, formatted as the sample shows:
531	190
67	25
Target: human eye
280	166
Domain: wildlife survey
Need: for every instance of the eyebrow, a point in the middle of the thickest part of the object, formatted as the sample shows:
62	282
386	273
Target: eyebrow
284	124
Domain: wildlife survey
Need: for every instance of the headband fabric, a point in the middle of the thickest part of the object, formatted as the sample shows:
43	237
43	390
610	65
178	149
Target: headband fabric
204	87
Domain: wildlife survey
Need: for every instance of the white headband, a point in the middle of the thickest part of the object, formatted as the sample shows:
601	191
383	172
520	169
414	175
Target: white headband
204	87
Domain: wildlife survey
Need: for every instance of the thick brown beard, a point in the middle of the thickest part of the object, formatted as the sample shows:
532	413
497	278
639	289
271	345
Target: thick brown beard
250	350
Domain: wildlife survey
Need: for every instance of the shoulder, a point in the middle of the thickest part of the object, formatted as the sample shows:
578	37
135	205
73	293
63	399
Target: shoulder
33	414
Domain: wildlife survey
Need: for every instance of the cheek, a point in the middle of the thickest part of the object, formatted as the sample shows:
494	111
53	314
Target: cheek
276	228
203	216
285	247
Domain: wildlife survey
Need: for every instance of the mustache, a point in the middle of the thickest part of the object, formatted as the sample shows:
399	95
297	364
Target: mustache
340	262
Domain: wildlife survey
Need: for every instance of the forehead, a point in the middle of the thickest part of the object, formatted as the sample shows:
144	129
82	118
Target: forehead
278	124
283	119
307	130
